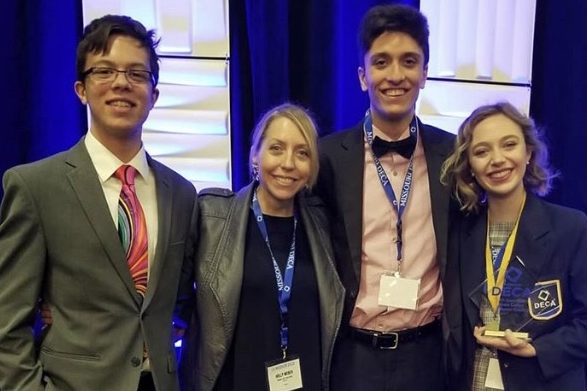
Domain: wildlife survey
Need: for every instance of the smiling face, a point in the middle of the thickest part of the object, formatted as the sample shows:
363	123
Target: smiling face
118	108
394	71
498	157
284	163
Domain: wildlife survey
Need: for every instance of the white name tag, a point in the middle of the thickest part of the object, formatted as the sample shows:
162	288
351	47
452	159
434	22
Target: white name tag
398	292
493	379
284	375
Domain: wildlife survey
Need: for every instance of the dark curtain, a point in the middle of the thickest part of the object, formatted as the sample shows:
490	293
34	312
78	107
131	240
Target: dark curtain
298	51
306	52
559	94
40	112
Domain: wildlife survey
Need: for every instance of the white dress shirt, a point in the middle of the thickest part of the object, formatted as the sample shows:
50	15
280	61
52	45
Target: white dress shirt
106	164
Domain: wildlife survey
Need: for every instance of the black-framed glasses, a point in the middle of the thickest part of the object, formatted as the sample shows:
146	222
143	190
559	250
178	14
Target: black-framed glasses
107	75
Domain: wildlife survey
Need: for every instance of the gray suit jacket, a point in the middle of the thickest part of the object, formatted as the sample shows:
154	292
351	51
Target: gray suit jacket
58	242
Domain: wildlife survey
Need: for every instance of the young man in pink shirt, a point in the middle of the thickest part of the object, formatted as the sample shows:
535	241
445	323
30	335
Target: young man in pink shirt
390	214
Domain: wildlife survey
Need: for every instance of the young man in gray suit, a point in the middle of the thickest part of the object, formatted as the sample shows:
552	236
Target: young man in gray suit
100	233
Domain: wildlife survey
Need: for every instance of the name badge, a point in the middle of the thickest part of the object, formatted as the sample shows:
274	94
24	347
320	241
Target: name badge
284	375
493	379
398	292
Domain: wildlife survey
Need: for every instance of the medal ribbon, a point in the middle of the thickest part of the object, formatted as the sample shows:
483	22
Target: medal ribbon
502	261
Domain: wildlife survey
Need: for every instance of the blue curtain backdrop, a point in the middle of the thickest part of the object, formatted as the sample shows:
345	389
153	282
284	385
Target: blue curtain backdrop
40	113
305	52
301	51
559	94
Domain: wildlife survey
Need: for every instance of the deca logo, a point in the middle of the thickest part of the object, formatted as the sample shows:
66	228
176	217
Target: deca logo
546	300
513	292
512	287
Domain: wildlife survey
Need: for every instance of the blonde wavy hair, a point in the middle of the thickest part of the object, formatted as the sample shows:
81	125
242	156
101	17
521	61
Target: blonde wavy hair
456	170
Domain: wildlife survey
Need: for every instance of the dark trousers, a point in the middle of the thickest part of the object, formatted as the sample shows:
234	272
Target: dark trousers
415	365
146	383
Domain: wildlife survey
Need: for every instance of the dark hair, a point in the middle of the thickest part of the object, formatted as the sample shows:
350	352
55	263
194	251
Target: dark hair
97	34
456	170
393	18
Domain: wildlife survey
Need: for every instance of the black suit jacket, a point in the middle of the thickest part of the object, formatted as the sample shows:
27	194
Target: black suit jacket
340	185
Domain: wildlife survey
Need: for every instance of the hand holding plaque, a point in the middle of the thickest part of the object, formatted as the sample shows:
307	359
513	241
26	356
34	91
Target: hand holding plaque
513	310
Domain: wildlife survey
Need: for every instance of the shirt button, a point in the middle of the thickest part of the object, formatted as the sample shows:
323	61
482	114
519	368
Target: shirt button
135	361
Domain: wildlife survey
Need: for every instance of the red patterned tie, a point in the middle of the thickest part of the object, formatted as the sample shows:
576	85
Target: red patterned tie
132	228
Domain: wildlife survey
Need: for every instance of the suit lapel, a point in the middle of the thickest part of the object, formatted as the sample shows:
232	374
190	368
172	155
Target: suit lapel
164	215
350	190
533	244
472	261
436	151
84	181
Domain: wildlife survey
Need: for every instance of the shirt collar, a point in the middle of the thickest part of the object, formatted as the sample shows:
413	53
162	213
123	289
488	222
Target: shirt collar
377	132
106	163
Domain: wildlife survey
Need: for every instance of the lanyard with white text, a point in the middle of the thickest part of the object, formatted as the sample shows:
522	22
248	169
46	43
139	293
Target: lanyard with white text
284	283
407	185
502	261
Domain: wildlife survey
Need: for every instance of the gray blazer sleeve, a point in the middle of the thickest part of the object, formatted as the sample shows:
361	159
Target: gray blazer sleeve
22	260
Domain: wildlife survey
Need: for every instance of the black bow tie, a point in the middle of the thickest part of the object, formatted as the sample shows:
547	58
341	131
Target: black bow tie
403	147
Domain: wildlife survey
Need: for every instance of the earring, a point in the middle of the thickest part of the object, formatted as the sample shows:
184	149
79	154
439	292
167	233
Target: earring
256	172
472	174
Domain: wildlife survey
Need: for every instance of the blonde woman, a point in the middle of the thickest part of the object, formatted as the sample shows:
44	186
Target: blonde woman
268	296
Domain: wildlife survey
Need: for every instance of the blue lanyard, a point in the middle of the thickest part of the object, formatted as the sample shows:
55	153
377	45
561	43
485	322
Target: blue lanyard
400	206
284	283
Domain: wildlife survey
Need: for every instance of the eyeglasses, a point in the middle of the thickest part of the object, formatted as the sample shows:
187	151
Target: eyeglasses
107	75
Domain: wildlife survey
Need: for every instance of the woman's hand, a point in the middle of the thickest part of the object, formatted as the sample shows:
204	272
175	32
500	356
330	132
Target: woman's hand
516	346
